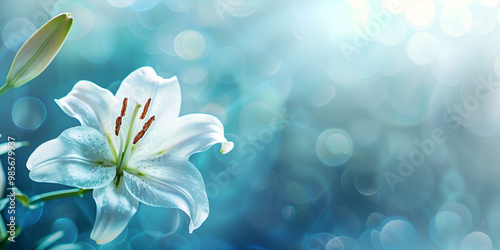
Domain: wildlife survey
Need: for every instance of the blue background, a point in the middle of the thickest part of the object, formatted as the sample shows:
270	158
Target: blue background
357	124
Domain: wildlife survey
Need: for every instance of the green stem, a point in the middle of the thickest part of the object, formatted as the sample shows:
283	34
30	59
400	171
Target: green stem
42	198
59	194
4	89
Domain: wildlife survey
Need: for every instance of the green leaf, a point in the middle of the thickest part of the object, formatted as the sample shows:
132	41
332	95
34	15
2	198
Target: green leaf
21	197
3	229
3	203
4	147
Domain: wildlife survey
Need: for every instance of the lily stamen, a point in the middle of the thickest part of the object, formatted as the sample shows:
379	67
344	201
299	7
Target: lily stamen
144	129
148	123
119	118
118	125
124	107
145	110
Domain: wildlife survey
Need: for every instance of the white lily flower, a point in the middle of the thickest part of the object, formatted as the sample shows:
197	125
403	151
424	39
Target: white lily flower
130	148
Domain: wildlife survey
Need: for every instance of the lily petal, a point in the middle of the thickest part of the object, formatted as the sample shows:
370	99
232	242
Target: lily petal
170	182
92	105
191	134
115	208
165	95
79	157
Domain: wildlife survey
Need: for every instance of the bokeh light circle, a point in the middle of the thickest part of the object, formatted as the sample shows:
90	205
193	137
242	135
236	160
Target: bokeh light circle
465	205
29	113
81	13
368	183
179	6
420	14
121	3
142	5
375	220
419	48
455	20
483	20
395	32
68	227
489	3
452	183
460	209
165	41
16	32
189	45
447	229
240	8
142	240
25	216
334	147
321	94
320	241
475	241
397	234
343	243
158	221
335	244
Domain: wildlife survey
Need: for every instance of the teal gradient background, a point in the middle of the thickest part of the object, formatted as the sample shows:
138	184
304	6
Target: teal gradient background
357	124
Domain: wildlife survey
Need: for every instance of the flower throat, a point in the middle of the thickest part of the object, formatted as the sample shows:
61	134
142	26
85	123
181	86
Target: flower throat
127	149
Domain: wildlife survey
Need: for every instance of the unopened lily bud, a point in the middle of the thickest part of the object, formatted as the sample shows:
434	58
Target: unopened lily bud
39	50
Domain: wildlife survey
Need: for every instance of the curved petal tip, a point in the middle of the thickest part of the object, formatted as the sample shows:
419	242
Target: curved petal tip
226	147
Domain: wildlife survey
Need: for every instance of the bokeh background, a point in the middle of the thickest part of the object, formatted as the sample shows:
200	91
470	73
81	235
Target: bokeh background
358	124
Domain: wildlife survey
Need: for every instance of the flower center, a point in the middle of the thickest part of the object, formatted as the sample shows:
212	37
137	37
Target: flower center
128	144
